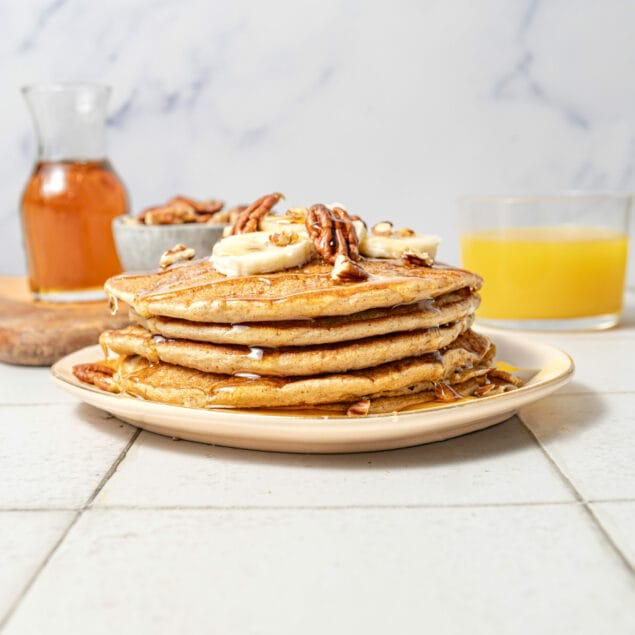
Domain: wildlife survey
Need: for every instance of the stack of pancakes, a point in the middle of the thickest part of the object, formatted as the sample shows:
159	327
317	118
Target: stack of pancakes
298	339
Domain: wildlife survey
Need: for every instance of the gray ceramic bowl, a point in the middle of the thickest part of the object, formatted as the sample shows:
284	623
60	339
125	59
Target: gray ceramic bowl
140	246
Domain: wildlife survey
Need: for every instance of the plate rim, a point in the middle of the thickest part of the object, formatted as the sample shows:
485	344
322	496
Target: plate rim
61	373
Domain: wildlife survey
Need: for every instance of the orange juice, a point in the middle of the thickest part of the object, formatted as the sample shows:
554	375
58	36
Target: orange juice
538	273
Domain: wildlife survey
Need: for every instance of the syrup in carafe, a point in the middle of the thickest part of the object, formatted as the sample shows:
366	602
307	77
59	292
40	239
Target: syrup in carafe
72	196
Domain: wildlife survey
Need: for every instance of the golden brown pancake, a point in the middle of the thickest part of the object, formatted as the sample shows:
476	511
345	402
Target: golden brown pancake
167	383
410	317
196	292
282	362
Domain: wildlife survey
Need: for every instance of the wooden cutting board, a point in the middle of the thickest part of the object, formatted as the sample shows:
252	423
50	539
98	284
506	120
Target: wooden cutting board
39	333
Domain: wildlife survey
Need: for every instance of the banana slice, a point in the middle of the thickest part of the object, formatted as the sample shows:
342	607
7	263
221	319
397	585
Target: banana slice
383	242
360	230
260	252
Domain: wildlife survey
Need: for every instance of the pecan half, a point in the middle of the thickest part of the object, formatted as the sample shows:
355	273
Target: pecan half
248	219
98	375
168	215
176	254
181	209
332	232
209	206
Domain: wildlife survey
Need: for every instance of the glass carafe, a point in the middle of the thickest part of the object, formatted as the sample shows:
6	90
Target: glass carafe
72	196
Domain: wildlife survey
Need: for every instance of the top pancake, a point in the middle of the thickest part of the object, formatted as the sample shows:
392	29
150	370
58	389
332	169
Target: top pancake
196	291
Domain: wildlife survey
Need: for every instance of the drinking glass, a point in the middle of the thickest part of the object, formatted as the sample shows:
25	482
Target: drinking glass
551	263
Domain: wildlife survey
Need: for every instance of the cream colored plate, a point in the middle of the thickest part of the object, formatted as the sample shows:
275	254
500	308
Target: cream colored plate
552	368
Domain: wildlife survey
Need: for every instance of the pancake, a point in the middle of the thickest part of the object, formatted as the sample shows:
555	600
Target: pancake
410	317
195	291
168	383
282	362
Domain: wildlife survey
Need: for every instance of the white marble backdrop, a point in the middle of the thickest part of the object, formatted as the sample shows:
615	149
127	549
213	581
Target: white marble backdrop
394	108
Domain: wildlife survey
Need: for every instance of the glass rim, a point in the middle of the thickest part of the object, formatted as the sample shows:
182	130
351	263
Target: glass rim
59	87
573	195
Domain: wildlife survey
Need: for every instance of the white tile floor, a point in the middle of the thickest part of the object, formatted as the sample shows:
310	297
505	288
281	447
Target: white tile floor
486	468
49	461
324	571
526	527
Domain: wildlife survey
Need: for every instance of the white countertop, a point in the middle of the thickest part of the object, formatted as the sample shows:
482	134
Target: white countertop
527	527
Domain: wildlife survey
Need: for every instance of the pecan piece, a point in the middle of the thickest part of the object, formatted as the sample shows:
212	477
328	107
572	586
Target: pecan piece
248	219
345	270
504	376
178	253
99	375
413	260
283	238
382	229
359	408
168	215
445	392
209	206
484	390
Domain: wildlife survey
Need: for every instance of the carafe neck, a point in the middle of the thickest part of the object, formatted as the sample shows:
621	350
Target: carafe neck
69	120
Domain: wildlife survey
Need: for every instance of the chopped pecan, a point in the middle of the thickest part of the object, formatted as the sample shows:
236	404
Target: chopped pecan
283	238
505	376
98	375
414	260
382	229
445	392
248	219
332	232
345	270
295	214
359	408
405	232
176	254
484	390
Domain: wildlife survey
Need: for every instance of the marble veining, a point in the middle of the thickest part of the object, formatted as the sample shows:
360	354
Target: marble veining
394	109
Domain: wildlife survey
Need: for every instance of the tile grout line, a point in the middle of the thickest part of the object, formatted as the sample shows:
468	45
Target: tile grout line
36	574
113	468
21	510
342	507
4	620
378	506
584	503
